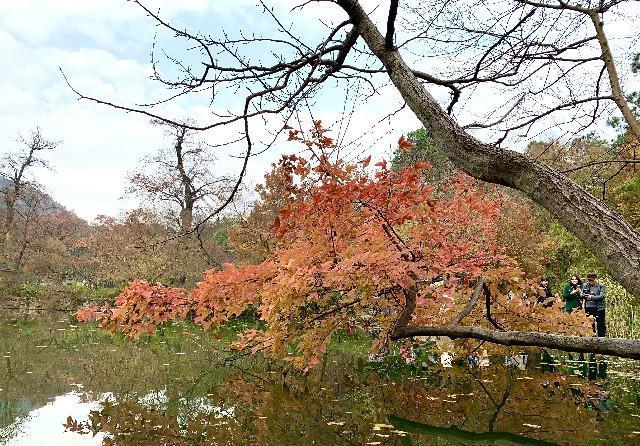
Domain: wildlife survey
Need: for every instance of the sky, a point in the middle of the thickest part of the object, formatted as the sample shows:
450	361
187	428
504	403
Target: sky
103	47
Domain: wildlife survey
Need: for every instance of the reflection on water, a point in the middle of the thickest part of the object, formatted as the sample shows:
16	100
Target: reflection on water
178	387
42	426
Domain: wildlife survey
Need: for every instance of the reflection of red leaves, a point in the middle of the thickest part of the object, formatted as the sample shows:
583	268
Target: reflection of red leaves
405	144
74	426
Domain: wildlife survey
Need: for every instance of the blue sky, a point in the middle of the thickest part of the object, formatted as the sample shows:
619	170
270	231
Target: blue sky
103	46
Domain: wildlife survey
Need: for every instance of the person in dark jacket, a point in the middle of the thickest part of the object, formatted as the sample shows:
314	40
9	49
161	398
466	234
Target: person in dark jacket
545	295
593	294
571	294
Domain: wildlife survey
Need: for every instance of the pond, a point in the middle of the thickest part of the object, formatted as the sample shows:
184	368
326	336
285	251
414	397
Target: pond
68	384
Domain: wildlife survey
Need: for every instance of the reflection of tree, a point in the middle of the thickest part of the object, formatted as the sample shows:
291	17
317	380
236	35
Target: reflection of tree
262	406
50	356
471	437
457	405
546	407
12	415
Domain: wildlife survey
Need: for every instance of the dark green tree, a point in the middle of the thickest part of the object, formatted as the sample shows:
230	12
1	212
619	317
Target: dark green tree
424	149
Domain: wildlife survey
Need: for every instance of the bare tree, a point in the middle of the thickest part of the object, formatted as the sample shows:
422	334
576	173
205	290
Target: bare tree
15	168
181	177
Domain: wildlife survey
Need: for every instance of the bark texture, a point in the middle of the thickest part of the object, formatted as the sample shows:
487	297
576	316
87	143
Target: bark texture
614	79
620	347
189	195
606	233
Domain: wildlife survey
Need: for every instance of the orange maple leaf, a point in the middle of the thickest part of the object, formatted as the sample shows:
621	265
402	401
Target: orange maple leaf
405	144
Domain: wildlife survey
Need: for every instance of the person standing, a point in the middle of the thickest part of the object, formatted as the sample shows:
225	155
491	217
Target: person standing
545	296
571	294
593	294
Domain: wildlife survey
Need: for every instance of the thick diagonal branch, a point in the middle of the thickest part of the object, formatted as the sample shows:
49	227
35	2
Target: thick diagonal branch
614	80
487	297
404	318
391	20
607	234
623	348
479	286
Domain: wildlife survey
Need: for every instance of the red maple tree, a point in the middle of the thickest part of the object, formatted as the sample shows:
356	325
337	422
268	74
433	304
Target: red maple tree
356	249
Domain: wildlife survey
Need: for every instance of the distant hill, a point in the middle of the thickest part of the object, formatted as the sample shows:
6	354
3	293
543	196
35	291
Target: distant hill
47	204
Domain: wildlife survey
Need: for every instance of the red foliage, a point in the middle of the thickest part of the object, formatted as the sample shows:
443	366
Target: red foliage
350	246
404	144
140	308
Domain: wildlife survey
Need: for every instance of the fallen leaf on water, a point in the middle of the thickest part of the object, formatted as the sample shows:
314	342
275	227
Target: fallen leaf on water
335	423
379	426
534	426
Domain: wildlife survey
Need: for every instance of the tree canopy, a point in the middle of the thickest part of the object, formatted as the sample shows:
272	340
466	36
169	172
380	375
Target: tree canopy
550	61
375	251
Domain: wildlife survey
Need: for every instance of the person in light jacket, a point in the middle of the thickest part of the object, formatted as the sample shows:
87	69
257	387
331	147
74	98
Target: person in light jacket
593	294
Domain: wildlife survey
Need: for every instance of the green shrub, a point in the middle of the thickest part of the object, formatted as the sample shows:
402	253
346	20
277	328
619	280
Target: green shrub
31	290
621	316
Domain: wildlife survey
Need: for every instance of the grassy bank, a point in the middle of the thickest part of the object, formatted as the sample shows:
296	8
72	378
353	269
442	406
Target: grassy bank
66	296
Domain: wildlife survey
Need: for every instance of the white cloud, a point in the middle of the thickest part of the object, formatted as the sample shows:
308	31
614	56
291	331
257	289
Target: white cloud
103	47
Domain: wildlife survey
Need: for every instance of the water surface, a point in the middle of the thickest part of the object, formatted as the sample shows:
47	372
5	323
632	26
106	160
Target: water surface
181	387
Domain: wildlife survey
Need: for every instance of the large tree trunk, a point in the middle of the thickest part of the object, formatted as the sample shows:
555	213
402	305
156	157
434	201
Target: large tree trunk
186	218
188	198
606	233
10	203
